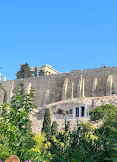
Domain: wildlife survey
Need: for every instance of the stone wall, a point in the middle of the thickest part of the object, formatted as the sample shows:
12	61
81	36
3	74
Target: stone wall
79	83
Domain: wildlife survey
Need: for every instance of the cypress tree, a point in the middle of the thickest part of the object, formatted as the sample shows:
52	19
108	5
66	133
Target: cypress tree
47	123
24	71
54	128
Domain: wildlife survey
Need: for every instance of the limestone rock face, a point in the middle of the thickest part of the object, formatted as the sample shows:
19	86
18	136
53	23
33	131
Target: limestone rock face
64	110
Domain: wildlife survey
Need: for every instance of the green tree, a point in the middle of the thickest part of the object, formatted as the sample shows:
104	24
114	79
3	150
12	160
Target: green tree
54	128
107	133
89	144
103	112
15	126
47	123
24	71
87	128
41	73
64	149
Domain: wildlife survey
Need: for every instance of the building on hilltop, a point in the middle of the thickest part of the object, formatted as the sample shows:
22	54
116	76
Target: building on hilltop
68	95
44	70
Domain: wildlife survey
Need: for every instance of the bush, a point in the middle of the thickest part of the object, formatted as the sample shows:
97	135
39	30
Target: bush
103	111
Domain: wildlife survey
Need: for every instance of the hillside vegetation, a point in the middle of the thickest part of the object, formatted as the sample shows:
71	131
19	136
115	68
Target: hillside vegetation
86	144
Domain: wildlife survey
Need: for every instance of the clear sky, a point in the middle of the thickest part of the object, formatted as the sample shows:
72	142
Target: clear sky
67	34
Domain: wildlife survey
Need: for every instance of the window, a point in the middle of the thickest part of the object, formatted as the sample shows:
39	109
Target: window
82	111
77	111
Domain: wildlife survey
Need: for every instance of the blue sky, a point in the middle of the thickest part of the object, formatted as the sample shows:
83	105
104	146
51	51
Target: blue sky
68	34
